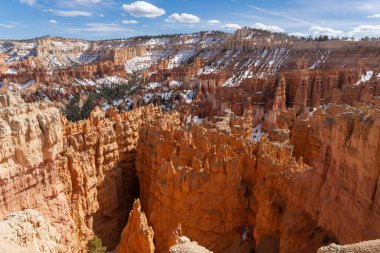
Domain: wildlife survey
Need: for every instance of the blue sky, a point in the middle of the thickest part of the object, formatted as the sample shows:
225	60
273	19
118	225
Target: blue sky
102	19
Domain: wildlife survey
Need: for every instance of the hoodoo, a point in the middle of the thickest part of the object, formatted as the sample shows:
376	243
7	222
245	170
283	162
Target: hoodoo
254	141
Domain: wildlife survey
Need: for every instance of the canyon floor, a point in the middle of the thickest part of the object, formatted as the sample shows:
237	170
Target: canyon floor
210	142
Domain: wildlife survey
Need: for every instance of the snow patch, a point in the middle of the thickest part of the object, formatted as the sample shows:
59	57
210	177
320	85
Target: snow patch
167	96
365	78
197	120
11	71
181	57
148	97
175	84
188	95
153	85
257	133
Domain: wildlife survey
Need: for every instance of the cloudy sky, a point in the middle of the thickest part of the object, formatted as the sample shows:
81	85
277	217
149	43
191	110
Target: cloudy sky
101	19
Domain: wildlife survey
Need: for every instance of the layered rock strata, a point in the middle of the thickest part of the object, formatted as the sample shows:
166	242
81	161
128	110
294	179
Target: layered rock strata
229	193
80	176
232	195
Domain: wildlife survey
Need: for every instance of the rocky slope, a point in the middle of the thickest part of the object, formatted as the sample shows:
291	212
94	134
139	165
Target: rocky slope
232	195
80	176
363	247
229	190
27	231
252	62
249	147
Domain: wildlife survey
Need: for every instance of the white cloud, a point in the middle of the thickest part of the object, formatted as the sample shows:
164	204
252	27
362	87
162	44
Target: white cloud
183	18
53	21
374	16
28	2
319	30
9	26
71	13
232	26
271	28
104	28
366	30
213	22
142	9
129	22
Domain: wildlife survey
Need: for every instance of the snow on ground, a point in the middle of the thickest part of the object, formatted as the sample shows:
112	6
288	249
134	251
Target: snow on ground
175	84
88	59
80	82
26	85
181	57
365	78
153	85
206	70
325	107
144	62
110	80
105	106
188	120
11	71
70	46
20	86
193	40
188	95
311	111
378	76
54	61
258	133
148	97
137	64
230	82
320	61
158	41
195	120
4	48
167	95
90	82
116	103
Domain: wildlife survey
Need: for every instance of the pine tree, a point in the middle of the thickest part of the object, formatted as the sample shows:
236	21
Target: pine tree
73	110
87	106
95	245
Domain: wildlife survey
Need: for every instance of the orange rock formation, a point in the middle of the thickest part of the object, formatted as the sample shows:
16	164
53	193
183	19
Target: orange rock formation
229	193
137	236
232	195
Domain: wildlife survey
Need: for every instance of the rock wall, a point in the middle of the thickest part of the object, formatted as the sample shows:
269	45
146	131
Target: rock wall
229	193
80	176
40	74
298	88
232	195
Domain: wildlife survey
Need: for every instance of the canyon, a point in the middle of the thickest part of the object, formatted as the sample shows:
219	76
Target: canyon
245	142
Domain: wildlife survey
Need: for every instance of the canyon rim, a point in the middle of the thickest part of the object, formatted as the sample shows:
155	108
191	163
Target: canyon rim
239	139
